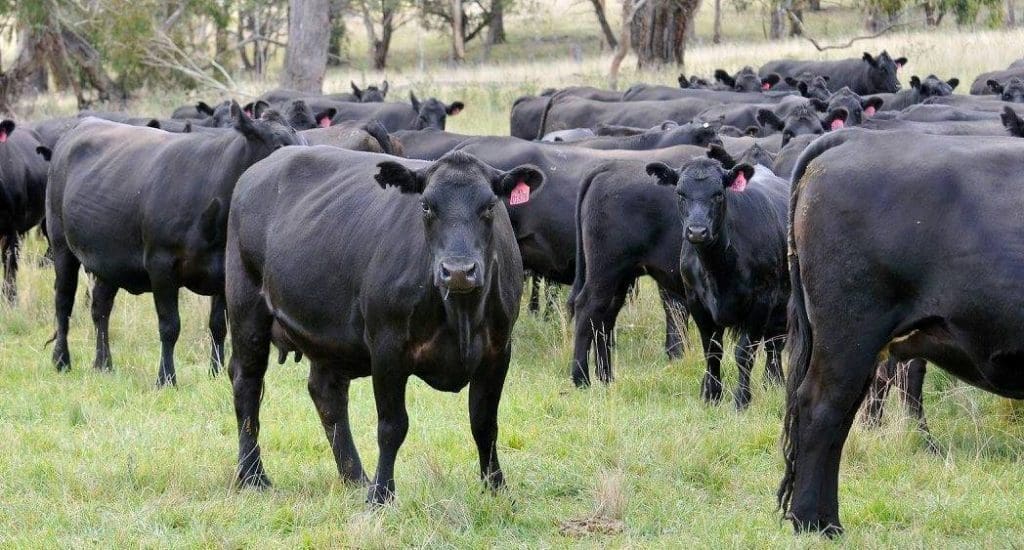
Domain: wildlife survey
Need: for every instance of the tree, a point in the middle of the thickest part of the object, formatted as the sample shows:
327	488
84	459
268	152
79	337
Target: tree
388	15
458	32
602	19
496	26
716	36
658	31
309	33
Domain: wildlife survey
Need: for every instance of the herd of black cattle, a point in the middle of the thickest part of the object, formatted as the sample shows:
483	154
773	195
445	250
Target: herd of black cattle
360	234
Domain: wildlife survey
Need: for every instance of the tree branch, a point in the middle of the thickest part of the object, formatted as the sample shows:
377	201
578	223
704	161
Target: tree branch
800	26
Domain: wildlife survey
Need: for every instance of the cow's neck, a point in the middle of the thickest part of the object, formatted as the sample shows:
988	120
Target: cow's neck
718	259
464	315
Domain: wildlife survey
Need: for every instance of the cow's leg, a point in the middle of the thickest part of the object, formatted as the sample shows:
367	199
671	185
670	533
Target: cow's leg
911	383
605	338
11	249
746	352
773	347
392	423
711	337
218	330
250	349
103	295
822	410
675	324
65	285
885	377
597	305
166	299
484	395
534	304
329	390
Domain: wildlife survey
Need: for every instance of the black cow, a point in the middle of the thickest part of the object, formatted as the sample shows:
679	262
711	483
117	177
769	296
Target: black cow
867	75
415	115
524	119
746	80
566	112
920	90
700	134
808	85
733	262
199	110
874	271
310	236
369	94
801	120
981	86
146	211
429	144
1011	90
367	136
1013	122
300	116
23	166
788	155
565	136
648	92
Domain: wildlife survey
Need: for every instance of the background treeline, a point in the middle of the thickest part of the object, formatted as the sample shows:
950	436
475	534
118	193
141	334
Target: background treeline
106	50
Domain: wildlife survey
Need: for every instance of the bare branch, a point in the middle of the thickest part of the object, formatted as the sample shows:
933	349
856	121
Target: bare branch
803	32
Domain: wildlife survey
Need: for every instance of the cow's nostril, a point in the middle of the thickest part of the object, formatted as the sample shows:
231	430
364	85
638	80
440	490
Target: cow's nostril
471	271
445	273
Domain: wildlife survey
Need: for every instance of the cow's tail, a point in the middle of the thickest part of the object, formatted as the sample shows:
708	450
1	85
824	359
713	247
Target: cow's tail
380	134
801	334
581	264
544	116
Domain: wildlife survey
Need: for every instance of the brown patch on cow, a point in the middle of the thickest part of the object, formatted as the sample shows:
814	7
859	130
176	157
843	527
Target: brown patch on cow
423	350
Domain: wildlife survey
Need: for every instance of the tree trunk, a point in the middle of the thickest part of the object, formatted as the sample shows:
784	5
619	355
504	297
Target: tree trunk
496	26
609	35
624	40
305	59
658	33
778	22
794	29
717	36
458	33
337	33
815	5
1011	14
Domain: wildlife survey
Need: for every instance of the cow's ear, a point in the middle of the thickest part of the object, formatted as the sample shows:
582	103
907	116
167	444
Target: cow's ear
752	131
384	89
47	154
817	104
393	174
415	102
517	184
995	86
870	60
203	108
772	80
915	82
242	123
768	119
900	62
802	86
724	78
153	123
737	178
792	82
835	119
717	152
872	104
259	108
1013	122
683	82
6	129
953	83
663	173
355	90
455	108
208	222
323	118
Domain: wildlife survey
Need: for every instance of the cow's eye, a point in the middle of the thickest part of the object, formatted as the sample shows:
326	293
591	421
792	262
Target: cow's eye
488	211
426	209
718	197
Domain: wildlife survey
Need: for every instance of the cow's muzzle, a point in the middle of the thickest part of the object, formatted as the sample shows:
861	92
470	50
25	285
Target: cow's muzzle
459	276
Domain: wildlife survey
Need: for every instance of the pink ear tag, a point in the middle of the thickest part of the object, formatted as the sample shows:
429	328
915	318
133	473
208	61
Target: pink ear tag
869	111
740	183
325	122
520	194
765	86
838	123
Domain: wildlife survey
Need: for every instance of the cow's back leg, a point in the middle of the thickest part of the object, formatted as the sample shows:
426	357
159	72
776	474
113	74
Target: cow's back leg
218	324
911	383
885	377
169	321
103	295
11	249
65	285
822	410
596	307
389	382
484	396
250	349
329	390
676	318
534	303
746	352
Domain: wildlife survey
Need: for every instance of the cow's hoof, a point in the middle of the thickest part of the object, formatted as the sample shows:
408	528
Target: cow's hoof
742	400
104	365
257	480
495	481
380	494
711	390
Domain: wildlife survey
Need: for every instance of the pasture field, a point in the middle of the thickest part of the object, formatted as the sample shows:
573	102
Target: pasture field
92	459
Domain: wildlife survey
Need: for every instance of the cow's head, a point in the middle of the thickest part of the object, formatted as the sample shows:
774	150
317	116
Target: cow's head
693	82
433	113
693	133
220	116
265	134
932	86
801	120
810	86
702	189
370	94
746	80
1013	122
300	116
1012	90
858	108
460	199
882	71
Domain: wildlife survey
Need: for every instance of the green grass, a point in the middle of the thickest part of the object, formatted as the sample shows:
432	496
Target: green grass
108	460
